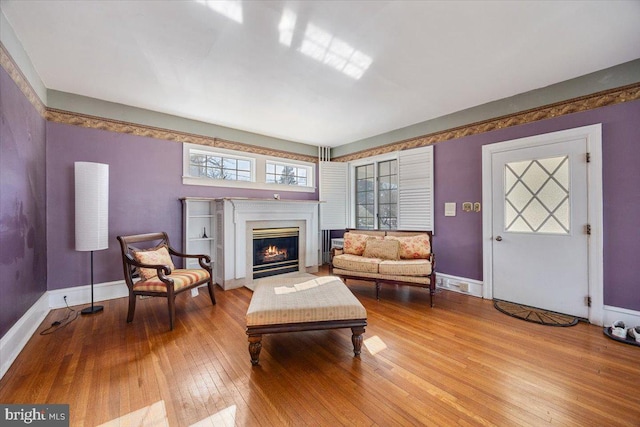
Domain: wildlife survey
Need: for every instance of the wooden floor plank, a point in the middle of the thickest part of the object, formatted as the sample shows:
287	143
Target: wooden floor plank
461	362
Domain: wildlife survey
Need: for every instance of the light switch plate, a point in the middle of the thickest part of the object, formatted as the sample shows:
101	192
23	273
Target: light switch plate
467	206
450	209
476	207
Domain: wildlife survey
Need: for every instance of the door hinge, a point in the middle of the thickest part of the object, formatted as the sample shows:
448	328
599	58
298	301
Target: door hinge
588	157
587	229
587	301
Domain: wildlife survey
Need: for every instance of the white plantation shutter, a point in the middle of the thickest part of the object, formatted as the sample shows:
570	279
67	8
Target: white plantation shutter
415	192
334	188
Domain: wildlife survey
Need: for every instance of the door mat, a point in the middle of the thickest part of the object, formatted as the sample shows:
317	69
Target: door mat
535	315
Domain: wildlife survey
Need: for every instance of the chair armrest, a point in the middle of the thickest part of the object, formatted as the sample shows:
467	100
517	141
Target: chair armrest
203	260
172	251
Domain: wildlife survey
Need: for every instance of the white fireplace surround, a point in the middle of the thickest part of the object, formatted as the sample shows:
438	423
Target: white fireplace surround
237	222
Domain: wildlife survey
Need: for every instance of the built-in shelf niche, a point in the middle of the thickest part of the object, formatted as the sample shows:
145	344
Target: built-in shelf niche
198	230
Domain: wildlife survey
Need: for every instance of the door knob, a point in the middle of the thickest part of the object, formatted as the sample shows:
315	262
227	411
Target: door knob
499	238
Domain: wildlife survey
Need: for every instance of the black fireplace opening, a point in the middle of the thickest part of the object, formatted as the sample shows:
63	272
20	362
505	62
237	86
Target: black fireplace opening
275	251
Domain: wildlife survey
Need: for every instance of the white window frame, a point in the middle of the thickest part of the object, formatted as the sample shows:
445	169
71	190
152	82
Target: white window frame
287	163
258	170
429	188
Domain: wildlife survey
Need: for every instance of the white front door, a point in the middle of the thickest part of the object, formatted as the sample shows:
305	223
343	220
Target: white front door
539	225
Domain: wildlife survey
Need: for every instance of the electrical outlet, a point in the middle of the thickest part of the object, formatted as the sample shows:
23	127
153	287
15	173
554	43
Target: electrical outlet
194	292
464	287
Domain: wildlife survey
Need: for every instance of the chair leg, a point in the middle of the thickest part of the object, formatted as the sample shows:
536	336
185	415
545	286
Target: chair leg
211	294
132	307
172	310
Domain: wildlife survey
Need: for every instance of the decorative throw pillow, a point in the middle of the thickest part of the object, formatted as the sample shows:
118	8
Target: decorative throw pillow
413	247
354	243
383	249
155	256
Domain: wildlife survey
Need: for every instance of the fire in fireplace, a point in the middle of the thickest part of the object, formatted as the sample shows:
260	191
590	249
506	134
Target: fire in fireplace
275	251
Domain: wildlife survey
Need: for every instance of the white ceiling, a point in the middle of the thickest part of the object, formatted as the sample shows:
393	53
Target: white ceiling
318	72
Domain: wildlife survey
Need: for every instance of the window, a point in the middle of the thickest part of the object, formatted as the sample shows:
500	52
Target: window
377	208
219	167
281	173
393	191
216	166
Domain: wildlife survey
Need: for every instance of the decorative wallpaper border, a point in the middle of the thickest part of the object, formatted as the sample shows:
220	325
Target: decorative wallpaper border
7	62
93	122
575	105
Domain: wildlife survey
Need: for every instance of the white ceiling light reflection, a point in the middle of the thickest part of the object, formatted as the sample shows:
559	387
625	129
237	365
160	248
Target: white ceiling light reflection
286	26
231	9
374	344
324	47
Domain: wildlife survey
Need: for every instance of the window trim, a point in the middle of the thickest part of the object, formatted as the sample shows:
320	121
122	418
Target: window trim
375	160
258	172
287	163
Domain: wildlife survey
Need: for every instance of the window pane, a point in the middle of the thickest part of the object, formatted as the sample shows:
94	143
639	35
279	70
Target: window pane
244	165
244	176
537	196
384	201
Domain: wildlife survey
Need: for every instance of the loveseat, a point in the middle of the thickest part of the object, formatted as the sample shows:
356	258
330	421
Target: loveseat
386	256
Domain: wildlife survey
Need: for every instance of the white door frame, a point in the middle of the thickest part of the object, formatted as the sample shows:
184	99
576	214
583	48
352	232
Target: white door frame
593	135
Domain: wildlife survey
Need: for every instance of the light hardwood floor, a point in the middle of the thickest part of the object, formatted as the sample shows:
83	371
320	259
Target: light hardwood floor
459	363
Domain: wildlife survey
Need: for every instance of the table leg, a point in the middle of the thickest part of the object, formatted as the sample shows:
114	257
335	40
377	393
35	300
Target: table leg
255	345
357	339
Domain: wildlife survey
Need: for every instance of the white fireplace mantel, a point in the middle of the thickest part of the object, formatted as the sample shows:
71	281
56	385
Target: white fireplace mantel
236	219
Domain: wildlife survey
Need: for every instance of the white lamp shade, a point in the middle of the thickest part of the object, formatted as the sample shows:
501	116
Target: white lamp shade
92	206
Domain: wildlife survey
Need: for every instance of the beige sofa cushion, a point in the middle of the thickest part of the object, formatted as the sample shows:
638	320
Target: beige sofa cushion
407	267
413	247
356	263
383	249
355	243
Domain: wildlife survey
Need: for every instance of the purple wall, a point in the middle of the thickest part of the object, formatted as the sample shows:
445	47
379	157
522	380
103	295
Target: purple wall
145	184
458	178
23	252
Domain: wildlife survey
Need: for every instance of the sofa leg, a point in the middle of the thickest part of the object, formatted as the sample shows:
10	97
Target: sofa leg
378	291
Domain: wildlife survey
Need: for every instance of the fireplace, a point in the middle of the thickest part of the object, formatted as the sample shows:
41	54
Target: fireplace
275	251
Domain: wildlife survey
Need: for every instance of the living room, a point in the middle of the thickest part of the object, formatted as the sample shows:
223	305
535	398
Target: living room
46	129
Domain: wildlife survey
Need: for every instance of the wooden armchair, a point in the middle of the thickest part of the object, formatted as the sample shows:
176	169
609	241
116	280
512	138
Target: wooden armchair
148	257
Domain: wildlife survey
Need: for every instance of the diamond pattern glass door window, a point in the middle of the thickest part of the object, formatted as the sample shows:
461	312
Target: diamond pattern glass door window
537	196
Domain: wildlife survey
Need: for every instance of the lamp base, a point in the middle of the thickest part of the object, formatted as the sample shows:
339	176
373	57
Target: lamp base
92	309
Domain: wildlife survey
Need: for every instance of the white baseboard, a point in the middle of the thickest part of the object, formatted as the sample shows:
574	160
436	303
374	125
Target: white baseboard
630	318
458	284
82	294
17	337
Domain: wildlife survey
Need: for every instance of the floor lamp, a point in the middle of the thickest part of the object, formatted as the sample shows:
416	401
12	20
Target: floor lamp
92	213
